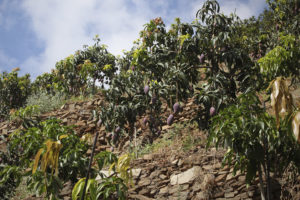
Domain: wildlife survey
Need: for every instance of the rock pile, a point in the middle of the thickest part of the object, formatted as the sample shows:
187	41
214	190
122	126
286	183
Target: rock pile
196	177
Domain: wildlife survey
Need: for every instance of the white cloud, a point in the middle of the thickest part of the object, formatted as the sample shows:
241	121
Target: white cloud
244	9
6	62
64	26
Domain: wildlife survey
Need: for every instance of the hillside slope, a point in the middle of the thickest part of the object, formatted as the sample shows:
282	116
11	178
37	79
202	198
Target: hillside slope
172	165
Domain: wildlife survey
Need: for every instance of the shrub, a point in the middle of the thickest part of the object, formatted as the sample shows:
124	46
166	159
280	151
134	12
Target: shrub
46	102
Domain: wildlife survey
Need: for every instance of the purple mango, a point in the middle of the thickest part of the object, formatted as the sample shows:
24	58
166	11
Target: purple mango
118	129
212	111
132	67
145	120
201	58
176	107
146	89
170	119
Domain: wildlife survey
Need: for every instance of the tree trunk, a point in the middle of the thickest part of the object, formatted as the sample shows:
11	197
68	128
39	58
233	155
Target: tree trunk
261	183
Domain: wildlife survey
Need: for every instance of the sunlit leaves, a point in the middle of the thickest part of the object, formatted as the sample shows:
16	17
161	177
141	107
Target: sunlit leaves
282	60
91	189
122	167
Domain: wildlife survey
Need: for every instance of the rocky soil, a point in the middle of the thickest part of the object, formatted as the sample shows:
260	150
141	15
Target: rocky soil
169	173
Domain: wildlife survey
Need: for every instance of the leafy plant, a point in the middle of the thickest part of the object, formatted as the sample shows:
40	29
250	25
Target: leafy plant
10	179
254	142
61	150
112	187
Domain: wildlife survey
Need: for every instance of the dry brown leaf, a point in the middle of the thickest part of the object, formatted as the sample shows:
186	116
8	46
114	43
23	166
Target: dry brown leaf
296	126
281	98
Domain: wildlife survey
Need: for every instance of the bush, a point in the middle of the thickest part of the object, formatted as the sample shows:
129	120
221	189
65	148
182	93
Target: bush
46	102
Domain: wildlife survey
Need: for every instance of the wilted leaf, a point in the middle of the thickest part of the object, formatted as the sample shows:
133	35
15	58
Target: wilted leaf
281	98
36	160
296	126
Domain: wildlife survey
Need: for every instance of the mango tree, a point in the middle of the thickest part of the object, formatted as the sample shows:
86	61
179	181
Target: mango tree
13	91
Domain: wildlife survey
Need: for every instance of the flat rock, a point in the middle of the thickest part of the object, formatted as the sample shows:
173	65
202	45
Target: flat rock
140	197
186	176
144	182
136	172
164	190
177	188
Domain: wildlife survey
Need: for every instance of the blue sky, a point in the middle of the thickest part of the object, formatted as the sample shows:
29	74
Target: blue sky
35	34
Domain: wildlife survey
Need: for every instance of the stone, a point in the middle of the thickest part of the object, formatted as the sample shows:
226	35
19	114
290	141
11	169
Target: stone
229	195
140	197
218	194
182	195
154	174
65	120
4	131
250	193
72	107
65	115
220	177
203	195
229	190
242	179
148	157
67	189
144	182
80	123
196	187
164	190
177	188
180	163
162	176
174	162
136	172
154	191
186	176
243	195
144	191
229	177
207	167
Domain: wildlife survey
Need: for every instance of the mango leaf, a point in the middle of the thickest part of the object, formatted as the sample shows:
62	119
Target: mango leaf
78	189
63	136
122	167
